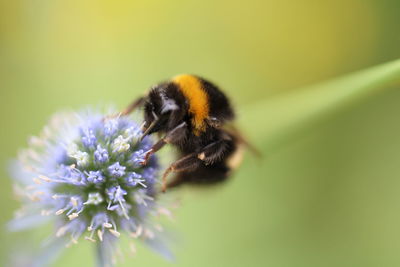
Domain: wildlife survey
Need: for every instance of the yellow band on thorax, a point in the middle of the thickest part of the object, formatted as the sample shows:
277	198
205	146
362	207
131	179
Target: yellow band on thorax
191	87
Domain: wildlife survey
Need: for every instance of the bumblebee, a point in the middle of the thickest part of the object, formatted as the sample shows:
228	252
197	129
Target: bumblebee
193	115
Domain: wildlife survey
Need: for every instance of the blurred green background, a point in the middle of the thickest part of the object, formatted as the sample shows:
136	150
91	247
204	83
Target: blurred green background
327	198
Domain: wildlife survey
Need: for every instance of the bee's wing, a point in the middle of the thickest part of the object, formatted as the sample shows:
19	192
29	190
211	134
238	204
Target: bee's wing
234	131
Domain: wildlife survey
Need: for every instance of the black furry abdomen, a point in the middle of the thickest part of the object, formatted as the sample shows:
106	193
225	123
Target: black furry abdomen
203	175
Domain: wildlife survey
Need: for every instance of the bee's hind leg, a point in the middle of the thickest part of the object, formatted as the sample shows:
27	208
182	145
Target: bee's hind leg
209	155
188	163
215	151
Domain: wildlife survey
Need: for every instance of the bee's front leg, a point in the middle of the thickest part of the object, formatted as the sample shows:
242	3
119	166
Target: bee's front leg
132	106
129	109
174	135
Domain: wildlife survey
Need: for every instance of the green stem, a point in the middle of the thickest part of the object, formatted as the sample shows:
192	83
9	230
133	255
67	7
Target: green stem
278	119
103	257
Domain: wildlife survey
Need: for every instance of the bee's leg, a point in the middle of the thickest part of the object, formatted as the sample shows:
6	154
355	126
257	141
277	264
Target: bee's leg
208	155
215	151
132	106
175	134
187	163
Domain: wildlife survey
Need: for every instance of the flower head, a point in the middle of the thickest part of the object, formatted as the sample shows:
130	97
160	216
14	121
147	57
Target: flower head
85	172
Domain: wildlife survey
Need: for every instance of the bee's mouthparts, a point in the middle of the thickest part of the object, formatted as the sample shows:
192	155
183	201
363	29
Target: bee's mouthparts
148	130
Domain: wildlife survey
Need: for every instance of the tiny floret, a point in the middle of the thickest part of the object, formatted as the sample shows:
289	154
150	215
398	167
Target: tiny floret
88	138
100	155
94	198
84	171
116	170
95	177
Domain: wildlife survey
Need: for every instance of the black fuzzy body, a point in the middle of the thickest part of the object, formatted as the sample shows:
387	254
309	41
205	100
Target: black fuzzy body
189	141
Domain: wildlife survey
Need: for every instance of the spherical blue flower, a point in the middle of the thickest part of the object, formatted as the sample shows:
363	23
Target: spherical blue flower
85	172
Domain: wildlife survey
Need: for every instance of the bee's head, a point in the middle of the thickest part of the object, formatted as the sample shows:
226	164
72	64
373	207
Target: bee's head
160	110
